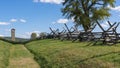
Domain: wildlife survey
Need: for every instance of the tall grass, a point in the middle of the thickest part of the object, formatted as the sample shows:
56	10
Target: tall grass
57	54
16	56
4	54
20	57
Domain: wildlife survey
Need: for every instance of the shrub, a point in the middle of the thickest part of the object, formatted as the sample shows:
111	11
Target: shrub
33	36
43	35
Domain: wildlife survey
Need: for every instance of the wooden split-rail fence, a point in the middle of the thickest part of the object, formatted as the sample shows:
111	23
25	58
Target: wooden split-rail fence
107	36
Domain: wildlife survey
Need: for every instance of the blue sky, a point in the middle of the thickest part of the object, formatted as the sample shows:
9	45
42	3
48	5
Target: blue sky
28	16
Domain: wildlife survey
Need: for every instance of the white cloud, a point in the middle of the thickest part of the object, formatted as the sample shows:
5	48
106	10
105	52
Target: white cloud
4	23
28	34
13	20
36	31
117	8
36	1
1	35
23	20
105	25
50	1
18	20
62	21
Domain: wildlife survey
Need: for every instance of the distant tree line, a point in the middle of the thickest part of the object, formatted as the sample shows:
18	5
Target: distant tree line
42	35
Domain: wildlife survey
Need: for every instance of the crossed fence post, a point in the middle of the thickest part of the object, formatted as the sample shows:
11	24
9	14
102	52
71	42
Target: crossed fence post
106	34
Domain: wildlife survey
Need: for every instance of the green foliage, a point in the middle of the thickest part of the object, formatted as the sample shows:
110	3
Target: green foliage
66	54
87	12
33	36
43	35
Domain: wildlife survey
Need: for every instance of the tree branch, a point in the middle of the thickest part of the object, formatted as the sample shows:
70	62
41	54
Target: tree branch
93	3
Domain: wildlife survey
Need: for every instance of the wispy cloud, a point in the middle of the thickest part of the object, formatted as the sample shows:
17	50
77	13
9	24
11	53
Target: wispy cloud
61	21
13	20
18	20
49	1
23	21
4	23
117	8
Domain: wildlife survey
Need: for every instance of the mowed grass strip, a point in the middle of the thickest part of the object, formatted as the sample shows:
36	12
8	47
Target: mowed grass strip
4	54
57	54
20	57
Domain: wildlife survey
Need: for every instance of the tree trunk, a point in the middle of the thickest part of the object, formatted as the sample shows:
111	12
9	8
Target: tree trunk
86	27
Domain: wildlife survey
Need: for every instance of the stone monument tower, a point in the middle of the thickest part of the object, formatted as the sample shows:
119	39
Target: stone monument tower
13	34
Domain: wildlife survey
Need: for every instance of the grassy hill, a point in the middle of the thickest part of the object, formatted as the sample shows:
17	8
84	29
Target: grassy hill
57	54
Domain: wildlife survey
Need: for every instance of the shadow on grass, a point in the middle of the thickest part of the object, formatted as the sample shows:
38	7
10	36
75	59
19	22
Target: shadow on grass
39	59
96	56
98	44
19	42
93	44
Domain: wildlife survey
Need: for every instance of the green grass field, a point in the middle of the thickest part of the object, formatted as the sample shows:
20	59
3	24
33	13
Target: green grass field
57	54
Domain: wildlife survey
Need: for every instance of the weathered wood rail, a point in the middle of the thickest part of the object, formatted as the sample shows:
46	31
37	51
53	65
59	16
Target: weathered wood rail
107	36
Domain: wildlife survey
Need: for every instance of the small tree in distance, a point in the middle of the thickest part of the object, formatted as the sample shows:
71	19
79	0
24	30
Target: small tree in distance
33	36
43	35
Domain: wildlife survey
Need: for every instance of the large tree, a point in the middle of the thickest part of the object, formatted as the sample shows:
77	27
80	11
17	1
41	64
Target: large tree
87	12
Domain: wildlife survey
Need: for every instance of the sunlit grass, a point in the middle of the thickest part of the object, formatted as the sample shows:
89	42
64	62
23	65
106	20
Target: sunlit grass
58	54
20	57
16	56
4	54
